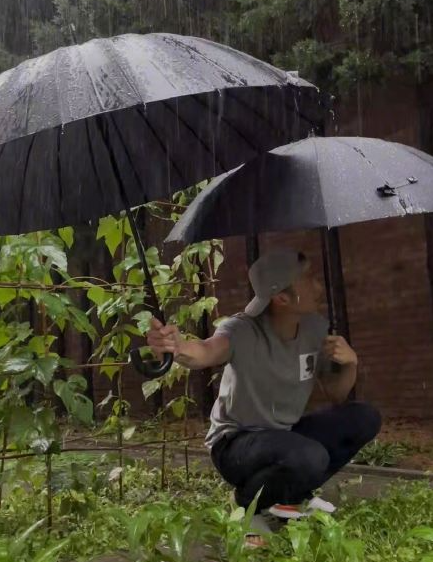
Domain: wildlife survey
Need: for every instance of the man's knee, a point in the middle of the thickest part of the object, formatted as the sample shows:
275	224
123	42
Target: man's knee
307	461
368	420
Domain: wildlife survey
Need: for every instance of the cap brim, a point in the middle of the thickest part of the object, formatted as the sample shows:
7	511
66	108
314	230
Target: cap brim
256	306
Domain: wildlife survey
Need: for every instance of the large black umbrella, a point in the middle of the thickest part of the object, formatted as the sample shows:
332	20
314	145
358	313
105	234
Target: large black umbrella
93	129
313	183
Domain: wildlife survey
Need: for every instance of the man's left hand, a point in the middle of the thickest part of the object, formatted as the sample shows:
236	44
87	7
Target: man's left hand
338	350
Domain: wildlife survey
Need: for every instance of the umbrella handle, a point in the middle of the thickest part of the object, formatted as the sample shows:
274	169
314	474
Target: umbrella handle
151	369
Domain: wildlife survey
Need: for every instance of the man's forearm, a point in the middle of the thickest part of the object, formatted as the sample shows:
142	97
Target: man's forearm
338	385
192	355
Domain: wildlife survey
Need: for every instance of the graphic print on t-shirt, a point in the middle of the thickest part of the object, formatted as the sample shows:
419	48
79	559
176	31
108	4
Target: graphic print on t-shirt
307	366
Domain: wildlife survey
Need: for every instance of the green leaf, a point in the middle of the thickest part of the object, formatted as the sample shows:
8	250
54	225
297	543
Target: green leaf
19	543
178	406
77	383
78	405
300	538
121	343
150	387
97	295
143	321
204	249
238	514
16	365
83	409
37	344
152	257
110	230
45	422
44	369
7	296
136	277
196	280
56	305
51	554
109	370
21	423
132	330
218	259
67	235
424	533
197	309
129	432
81	322
55	255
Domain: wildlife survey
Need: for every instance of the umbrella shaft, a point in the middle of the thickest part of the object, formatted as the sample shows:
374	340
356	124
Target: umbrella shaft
102	126
141	254
326	253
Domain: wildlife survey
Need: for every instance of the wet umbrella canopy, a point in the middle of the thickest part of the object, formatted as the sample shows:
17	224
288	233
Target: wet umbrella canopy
169	110
317	182
94	129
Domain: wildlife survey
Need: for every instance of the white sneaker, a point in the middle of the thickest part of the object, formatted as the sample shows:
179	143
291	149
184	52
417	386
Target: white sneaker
321	505
286	511
295	511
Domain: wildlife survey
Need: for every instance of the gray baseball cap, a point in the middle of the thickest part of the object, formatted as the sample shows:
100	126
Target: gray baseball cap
271	274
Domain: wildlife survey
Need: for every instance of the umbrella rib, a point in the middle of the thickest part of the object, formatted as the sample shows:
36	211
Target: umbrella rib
122	142
205	146
59	97
189	48
23	189
59	172
91	78
159	141
225	120
364	157
319	179
93	162
132	83
290	107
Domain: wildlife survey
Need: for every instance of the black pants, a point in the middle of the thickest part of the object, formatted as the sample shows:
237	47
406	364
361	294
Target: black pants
289	465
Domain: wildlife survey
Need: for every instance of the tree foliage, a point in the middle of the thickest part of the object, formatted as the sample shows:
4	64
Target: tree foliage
335	43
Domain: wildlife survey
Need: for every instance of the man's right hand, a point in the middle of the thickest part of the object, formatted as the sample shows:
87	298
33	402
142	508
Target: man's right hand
163	339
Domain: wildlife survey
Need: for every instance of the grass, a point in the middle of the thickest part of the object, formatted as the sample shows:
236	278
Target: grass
154	525
379	453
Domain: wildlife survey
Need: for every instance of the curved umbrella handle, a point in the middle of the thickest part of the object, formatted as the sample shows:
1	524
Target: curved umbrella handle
151	369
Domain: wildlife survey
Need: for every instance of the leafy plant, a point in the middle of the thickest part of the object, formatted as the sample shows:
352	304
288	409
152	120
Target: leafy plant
322	538
379	453
12	550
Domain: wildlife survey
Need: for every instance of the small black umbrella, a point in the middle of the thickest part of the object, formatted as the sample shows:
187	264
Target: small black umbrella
94	129
314	183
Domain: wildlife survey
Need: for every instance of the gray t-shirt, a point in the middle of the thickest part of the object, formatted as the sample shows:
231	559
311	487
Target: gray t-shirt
266	383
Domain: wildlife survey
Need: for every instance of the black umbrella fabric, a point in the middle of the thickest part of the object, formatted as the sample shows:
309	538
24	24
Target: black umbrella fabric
93	129
313	183
156	113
